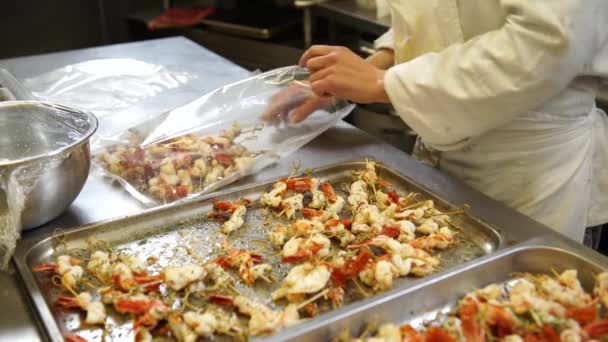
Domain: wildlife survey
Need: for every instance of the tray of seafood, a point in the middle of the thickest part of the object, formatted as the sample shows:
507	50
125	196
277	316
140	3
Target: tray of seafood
528	293
252	261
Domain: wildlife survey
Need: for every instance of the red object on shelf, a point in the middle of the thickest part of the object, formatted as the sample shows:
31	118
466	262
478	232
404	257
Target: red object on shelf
180	17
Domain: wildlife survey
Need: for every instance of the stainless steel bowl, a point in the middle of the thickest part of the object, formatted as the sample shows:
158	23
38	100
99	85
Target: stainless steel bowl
49	145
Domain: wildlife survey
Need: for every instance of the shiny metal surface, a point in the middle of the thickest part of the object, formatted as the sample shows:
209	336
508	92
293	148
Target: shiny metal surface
50	142
158	233
431	298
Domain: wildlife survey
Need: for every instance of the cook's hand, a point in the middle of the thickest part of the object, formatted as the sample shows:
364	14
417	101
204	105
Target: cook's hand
337	71
294	104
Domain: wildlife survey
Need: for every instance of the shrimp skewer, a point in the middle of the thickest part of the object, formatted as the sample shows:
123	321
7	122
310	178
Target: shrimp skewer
148	312
291	205
177	278
299	249
247	263
96	312
231	212
303	279
263	320
66	267
274	197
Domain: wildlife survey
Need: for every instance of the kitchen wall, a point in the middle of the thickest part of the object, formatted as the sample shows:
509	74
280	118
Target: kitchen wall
41	26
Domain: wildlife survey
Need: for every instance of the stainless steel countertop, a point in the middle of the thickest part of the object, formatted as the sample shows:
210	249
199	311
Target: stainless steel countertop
100	200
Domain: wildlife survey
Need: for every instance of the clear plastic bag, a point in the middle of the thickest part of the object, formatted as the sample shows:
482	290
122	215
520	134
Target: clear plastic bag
161	160
105	86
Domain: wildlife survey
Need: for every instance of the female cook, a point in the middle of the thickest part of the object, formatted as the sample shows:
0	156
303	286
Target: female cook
501	92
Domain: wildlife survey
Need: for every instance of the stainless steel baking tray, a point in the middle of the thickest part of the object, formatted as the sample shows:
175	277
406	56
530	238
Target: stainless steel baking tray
159	232
433	299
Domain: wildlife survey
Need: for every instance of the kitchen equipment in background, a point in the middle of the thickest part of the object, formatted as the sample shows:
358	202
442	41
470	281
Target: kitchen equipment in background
378	121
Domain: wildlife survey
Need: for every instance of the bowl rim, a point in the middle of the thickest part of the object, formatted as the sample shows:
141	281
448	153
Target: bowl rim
93	125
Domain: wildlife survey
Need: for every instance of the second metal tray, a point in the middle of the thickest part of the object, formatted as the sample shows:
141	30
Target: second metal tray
427	302
160	232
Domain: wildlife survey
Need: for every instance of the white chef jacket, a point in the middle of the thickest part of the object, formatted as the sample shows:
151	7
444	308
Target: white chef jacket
503	92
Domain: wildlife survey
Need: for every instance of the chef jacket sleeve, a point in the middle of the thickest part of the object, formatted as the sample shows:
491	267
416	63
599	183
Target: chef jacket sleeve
472	87
385	41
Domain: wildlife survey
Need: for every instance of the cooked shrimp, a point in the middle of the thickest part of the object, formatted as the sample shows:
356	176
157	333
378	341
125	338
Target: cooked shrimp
317	214
180	330
432	241
199	169
489	293
211	321
241	164
369	175
235	221
370	214
148	311
203	324
278	235
337	206
390	245
261	271
564	290
96	311
231	212
134	262
178	278
299	249
337	229
318	197
428	227
218	275
406	228
244	261
409	214
600	290
382	199
67	267
100	266
274	197
215	174
524	298
358	194
303	279
291	205
263	320
122	276
384	273
389	211
307	227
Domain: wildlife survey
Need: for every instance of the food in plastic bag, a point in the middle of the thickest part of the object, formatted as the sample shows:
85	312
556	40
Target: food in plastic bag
212	141
177	167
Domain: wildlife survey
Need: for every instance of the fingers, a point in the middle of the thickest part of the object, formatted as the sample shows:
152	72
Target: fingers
321	74
315	51
322	88
322	62
305	109
273	109
281	102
